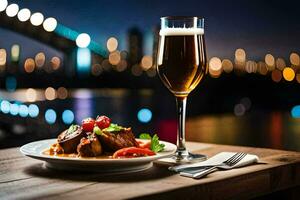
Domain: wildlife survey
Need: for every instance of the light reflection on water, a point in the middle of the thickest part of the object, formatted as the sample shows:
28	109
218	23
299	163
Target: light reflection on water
274	129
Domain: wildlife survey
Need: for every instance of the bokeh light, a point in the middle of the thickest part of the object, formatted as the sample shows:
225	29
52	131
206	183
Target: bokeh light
270	61
288	74
37	19
114	58
96	69
295	112
262	68
14	109
31	95
239	109
23	110
33	110
40	59
121	66
251	66
62	93
112	44
146	62
5	106
295	59
24	14
50	116
3	5
144	115
15	53
215	67
276	75
227	65
280	64
55	62
50	24
3	57
83	40
68	116
50	93
240	55
298	78
29	65
12	10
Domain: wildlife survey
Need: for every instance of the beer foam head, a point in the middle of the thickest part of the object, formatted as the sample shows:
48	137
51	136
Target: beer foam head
181	31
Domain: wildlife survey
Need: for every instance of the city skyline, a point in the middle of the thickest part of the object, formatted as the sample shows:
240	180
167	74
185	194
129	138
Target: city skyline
258	27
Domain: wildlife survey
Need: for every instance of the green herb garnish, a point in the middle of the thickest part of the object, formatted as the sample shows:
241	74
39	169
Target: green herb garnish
155	145
114	127
97	130
72	129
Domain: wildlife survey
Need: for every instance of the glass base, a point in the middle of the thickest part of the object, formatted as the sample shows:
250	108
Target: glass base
187	157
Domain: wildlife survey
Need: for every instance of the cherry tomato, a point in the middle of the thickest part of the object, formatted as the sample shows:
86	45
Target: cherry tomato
130	152
102	122
88	124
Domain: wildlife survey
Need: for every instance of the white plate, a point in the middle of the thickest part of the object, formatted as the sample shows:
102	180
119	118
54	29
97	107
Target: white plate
105	165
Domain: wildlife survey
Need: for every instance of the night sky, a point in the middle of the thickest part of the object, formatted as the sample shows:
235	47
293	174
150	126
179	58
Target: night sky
257	26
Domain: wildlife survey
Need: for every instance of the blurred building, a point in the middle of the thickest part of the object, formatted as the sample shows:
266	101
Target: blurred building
135	45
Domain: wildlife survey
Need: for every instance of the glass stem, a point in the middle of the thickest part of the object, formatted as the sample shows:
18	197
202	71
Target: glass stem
181	110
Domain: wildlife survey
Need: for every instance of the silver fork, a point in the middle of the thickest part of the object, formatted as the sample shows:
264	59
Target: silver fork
227	164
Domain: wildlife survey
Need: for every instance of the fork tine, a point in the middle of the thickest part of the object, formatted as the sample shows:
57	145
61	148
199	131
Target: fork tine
232	157
236	159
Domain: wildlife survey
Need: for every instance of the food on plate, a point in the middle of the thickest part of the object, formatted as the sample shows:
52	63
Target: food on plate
89	146
70	138
101	137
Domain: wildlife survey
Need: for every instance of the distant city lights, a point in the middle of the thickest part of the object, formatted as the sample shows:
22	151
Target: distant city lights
5	106
14	109
62	93
68	116
270	61
2	57
15	53
12	10
295	112
50	93
144	115
295	59
215	67
114	57
31	95
37	19
288	74
146	62
50	24
24	14
83	40
227	65
240	55
83	60
50	116
23	110
33	110
112	44
40	59
3	5
29	65
55	62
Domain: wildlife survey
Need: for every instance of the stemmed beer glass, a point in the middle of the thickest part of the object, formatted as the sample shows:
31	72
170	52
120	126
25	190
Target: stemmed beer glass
181	65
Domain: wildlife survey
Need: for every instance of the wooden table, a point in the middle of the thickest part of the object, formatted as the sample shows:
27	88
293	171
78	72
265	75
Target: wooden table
278	175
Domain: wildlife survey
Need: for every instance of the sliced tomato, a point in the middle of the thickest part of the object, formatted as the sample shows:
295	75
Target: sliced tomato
130	152
144	144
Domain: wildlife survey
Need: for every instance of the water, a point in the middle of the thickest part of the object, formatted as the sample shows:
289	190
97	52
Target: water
252	127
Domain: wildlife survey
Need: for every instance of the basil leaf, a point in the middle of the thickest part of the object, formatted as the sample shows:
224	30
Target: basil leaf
155	145
72	129
97	130
145	136
114	127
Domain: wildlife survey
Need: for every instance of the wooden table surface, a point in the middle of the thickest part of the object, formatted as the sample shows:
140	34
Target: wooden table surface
278	173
